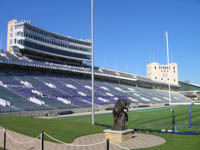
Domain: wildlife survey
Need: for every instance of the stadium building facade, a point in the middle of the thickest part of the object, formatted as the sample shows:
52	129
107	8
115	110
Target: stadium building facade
45	71
163	73
28	40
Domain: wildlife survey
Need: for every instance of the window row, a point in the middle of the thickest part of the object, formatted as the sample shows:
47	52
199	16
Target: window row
57	37
162	79
52	50
51	41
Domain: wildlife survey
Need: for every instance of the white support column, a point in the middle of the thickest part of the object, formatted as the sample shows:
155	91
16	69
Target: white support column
92	40
166	34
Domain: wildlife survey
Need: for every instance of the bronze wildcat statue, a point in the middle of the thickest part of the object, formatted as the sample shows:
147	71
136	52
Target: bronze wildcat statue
120	116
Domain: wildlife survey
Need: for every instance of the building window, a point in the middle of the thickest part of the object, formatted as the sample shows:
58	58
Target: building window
19	27
155	67
19	33
161	78
155	77
10	41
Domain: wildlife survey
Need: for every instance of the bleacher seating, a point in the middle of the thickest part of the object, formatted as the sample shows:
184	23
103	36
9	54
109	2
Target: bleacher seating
17	101
40	91
77	93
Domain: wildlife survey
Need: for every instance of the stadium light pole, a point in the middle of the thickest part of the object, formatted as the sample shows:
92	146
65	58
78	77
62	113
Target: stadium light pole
92	41
166	35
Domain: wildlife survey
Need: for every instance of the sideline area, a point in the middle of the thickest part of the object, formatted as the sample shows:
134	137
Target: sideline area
102	112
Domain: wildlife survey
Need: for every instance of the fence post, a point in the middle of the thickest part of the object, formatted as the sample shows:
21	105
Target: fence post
107	144
4	145
42	141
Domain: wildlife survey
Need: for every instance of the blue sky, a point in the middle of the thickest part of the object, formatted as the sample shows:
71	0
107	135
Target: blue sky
128	34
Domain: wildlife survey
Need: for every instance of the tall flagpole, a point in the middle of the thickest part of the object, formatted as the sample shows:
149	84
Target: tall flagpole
166	34
92	40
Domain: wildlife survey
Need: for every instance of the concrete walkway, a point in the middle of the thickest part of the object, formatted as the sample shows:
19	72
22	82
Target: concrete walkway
138	141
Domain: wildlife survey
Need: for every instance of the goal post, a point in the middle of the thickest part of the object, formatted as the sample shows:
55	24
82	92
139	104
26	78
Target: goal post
190	110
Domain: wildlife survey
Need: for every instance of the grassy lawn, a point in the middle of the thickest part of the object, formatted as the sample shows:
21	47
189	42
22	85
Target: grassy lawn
65	130
68	128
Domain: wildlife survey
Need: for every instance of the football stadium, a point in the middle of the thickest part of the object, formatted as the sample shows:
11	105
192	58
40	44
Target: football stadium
46	98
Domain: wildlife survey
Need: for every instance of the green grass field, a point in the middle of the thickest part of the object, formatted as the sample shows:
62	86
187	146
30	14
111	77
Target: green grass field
68	128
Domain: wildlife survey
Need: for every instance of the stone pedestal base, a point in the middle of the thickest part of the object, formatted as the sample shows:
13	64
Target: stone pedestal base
118	136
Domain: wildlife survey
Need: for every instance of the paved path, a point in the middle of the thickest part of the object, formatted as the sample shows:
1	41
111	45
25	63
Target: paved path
138	141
